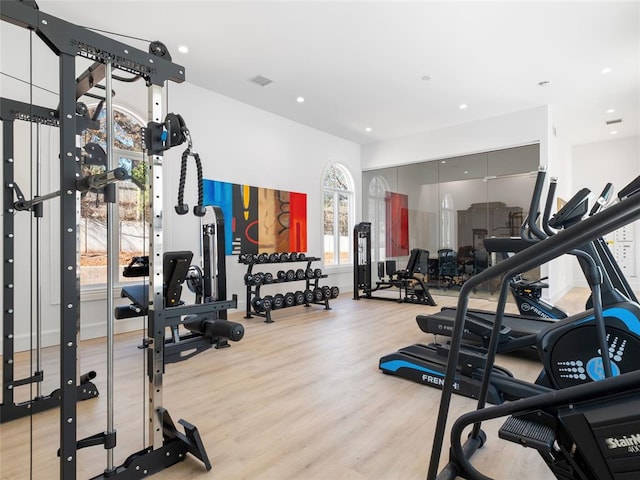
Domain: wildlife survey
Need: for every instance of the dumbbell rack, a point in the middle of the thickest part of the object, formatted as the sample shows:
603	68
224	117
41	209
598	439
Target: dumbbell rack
253	291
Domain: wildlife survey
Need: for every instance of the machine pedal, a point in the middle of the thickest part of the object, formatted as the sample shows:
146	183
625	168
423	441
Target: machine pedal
528	434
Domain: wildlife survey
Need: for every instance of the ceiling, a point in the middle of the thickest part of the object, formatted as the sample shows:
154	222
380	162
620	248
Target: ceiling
398	68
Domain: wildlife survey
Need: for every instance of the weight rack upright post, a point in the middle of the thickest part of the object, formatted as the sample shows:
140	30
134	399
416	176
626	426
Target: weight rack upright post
156	328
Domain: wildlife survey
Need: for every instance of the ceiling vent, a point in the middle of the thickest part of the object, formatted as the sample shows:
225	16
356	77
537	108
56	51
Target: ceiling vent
611	122
260	80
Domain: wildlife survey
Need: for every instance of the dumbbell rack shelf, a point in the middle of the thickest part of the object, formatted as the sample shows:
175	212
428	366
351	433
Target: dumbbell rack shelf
253	290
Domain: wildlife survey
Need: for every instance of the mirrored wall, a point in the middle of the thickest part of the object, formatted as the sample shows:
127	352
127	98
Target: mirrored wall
448	207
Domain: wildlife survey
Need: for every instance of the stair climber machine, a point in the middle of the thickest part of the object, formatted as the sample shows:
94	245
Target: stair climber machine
207	327
563	365
587	426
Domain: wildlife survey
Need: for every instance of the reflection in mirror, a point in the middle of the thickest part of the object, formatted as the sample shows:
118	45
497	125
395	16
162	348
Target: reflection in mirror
450	205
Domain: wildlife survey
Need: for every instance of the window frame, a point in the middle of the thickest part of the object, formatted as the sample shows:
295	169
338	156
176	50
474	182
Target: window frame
98	290
349	192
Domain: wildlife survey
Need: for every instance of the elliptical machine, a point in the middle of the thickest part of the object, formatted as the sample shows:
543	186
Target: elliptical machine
528	297
589	429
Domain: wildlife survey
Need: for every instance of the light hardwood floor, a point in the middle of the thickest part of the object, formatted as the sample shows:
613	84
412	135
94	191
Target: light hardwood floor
301	398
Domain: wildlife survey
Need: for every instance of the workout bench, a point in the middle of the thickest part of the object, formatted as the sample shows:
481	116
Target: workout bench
206	328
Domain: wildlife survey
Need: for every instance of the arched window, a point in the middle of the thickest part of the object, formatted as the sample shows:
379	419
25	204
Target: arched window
337	187
130	207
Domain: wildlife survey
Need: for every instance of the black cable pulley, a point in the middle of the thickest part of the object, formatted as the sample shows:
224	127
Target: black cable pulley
177	132
159	49
182	208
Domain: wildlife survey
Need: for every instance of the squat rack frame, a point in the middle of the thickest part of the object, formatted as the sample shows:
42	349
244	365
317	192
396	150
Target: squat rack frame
10	112
68	41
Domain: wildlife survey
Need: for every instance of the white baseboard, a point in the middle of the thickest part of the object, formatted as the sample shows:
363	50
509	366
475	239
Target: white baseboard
95	330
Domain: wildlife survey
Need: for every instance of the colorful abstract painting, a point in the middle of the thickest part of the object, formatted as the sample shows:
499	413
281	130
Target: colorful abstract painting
259	219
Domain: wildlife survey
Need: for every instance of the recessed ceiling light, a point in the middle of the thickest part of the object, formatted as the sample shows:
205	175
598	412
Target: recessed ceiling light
606	70
466	171
443	161
544	83
300	99
611	110
426	78
183	49
463	106
614	132
368	129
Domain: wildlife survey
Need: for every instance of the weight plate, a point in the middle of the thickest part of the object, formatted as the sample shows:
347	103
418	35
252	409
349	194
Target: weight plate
263	257
326	292
268	277
335	291
291	275
318	296
267	303
299	296
308	296
301	257
284	257
289	299
258	304
293	257
274	257
278	300
300	274
282	275
317	273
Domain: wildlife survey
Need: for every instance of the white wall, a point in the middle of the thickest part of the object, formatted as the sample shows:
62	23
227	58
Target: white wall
558	165
515	129
242	144
594	164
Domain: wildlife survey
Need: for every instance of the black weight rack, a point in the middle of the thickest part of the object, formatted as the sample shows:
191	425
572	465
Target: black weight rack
313	293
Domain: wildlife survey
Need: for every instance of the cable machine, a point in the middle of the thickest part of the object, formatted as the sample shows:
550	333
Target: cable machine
411	287
10	112
167	445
